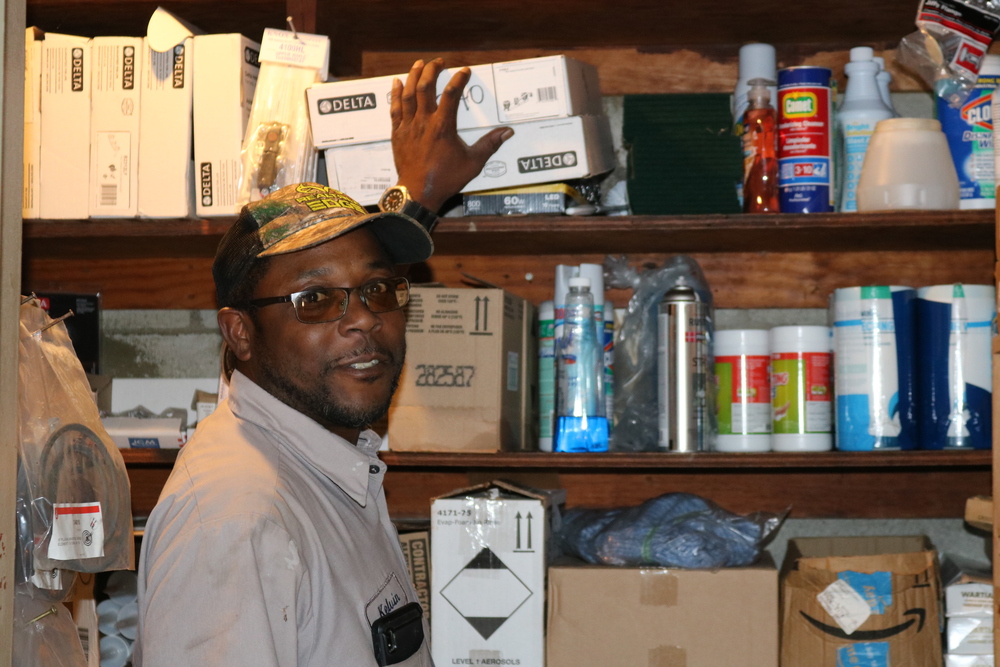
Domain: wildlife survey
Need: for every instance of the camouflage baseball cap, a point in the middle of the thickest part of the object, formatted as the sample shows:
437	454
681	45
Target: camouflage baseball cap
304	215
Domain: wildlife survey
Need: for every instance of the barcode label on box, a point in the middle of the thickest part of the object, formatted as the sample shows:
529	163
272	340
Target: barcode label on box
109	195
547	94
376	184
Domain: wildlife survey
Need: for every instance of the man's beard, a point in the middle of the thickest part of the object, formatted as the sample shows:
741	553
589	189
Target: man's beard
318	402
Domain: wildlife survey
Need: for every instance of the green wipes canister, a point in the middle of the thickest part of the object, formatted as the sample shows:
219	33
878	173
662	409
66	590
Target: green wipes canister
742	371
801	394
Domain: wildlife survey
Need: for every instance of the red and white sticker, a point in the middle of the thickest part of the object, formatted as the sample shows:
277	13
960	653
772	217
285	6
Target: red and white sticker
77	531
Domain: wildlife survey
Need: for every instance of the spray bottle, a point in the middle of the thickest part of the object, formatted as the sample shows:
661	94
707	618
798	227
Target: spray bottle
862	109
760	157
883	79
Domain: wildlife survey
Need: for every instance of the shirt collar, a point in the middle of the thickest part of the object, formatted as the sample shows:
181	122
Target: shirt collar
347	465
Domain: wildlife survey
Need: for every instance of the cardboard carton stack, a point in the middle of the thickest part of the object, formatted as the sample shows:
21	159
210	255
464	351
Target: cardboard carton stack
110	122
553	104
968	603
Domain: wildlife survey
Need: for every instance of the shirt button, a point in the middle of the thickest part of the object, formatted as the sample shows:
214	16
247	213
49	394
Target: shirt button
373	469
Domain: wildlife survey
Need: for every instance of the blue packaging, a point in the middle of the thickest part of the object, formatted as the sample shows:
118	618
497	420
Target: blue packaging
970	138
805	139
875	368
955	365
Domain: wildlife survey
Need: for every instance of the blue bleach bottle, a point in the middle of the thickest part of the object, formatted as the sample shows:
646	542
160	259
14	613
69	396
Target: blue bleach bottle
582	424
970	138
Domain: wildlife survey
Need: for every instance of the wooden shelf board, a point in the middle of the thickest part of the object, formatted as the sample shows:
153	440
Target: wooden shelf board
547	235
650	461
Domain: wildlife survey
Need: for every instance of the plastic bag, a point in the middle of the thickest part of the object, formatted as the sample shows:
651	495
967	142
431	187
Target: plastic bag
278	148
948	48
636	415
45	635
673	530
81	516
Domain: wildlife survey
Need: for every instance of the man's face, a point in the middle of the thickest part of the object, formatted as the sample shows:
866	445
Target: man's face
326	370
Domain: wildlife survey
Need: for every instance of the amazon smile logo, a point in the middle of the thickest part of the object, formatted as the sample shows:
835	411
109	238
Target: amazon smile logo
919	616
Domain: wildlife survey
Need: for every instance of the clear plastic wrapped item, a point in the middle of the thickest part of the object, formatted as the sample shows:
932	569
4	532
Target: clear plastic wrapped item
948	48
45	634
636	407
673	530
79	491
278	148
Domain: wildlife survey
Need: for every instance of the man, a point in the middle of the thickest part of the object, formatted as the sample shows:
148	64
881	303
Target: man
271	543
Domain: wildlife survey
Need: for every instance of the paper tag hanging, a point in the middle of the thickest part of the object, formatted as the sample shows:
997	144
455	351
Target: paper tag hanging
845	605
77	531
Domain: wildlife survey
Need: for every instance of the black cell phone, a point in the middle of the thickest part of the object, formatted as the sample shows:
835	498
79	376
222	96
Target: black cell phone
398	635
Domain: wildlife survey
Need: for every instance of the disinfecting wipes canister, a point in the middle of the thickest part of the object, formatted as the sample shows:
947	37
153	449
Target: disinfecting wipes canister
874	349
801	405
742	370
970	138
955	325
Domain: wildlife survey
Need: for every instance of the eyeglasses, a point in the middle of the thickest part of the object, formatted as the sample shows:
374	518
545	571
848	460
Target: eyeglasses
316	306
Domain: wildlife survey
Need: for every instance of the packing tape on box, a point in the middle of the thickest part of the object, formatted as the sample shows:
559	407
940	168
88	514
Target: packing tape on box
667	656
659	589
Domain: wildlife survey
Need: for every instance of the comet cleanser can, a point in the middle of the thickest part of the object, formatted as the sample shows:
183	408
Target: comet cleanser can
805	139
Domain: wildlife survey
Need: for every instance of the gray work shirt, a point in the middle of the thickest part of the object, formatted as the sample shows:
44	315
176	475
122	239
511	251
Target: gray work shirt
270	545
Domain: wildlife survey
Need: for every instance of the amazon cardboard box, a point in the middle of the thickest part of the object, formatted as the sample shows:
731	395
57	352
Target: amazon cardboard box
869	601
488	575
542	151
654	616
464	382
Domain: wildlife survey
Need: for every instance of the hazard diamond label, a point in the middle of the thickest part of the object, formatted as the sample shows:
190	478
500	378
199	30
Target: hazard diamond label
486	593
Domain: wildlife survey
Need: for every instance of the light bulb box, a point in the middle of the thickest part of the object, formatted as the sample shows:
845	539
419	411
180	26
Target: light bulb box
357	111
488	569
541	151
115	92
225	77
464	380
64	151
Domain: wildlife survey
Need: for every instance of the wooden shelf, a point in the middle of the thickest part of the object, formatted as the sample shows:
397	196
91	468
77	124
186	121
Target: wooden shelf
549	235
832	484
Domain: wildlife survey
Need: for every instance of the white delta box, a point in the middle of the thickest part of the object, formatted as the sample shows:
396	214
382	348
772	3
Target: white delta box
225	77
166	189
541	151
64	152
488	569
32	121
115	92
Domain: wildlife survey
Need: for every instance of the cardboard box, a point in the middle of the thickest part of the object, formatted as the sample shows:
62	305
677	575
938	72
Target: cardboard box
166	189
115	92
539	152
32	121
225	77
343	113
136	433
488	575
357	112
464	379
663	617
979	512
885	591
968	661
64	155
547	87
970	635
416	548
968	589
529	379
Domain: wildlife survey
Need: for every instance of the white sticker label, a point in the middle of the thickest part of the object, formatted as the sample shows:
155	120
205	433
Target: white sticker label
300	49
77	531
114	164
50	580
845	605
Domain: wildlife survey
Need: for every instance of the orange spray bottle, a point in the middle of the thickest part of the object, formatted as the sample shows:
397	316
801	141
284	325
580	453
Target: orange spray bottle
760	166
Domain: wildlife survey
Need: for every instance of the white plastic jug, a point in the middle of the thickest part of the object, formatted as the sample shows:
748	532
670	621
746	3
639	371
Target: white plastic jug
908	166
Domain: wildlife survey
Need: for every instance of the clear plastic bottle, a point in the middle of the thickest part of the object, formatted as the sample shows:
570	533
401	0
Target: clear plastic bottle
582	422
760	150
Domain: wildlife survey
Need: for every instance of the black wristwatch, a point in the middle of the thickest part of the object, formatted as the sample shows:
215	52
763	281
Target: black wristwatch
397	200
